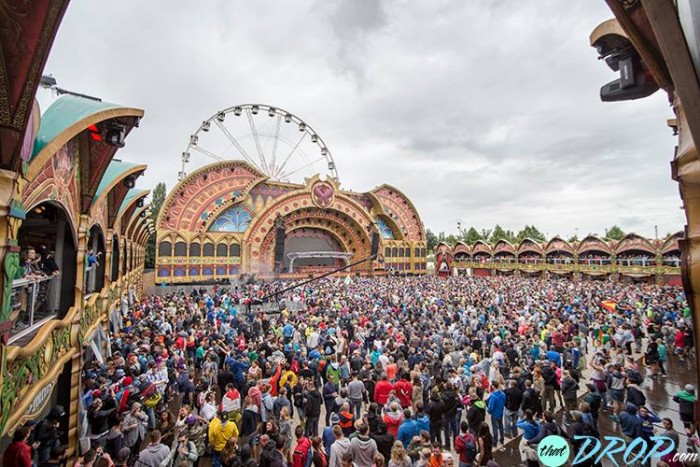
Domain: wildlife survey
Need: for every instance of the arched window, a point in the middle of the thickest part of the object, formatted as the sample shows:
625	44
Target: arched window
234	250
164	249
208	249
401	252
195	249
395	252
422	252
180	249
416	252
222	250
387	252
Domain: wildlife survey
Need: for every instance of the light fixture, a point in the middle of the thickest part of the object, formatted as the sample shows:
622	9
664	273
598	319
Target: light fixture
272	111
331	166
185	157
130	181
314	138
220	116
181	175
324	152
302	126
115	134
288	118
194	139
237	111
139	203
254	109
205	125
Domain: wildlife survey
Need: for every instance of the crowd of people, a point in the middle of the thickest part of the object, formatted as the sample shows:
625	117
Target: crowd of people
382	371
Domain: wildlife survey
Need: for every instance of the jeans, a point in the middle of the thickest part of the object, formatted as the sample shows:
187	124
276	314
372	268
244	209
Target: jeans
510	419
451	426
548	402
311	426
436	432
215	459
356	408
151	417
497	424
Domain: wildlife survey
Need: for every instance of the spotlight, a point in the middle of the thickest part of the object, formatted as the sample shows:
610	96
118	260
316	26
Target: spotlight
130	181
181	175
314	138
205	125
324	152
115	135
237	111
185	157
221	116
194	139
272	111
302	126
139	203
331	166
288	118
254	109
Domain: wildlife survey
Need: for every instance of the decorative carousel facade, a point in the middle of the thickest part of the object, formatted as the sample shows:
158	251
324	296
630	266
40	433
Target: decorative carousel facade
632	258
220	222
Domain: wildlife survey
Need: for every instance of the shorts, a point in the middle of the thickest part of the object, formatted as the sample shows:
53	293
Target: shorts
617	395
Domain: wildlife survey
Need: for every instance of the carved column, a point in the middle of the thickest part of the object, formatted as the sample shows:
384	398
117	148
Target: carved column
11	216
108	258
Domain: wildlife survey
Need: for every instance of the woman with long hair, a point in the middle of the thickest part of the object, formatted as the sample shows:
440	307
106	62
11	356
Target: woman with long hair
485	440
230	452
399	457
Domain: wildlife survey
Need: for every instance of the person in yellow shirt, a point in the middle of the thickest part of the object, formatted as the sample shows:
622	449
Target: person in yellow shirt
220	431
288	377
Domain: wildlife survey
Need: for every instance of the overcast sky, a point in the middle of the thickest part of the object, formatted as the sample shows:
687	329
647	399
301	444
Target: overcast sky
482	112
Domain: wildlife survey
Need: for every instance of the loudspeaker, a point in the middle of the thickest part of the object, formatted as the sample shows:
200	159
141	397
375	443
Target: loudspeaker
279	244
375	243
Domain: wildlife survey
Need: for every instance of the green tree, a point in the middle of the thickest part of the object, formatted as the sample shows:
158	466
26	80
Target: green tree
432	240
614	233
532	232
499	234
471	236
157	200
573	238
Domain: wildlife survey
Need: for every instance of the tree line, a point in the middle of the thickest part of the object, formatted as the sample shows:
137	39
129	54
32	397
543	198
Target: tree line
491	236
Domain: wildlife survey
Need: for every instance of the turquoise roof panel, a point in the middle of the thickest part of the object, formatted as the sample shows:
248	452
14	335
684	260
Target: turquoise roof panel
115	170
66	111
132	195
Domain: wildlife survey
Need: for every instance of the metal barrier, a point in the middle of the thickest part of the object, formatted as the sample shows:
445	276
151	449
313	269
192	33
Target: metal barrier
29	296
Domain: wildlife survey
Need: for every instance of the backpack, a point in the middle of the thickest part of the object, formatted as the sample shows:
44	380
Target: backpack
469	447
635	376
302	456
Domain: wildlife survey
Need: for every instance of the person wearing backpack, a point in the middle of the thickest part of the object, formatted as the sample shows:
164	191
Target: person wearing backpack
302	455
465	446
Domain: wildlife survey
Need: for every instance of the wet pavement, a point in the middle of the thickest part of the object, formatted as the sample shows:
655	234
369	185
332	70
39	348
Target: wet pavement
659	392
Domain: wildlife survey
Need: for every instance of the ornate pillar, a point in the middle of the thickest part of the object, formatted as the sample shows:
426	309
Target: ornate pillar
108	257
11	216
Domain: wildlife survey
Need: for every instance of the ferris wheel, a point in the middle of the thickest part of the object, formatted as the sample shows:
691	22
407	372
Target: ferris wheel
278	143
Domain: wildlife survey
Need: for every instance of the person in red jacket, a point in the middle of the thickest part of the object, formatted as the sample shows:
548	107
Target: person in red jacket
19	452
404	390
382	390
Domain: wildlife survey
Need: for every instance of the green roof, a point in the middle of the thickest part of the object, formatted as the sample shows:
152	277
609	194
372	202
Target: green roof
116	169
132	195
66	111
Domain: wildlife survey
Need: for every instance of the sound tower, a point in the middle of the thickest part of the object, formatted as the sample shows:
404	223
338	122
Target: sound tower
375	243
279	244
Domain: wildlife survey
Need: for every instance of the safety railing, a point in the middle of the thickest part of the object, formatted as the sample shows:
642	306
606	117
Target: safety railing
30	305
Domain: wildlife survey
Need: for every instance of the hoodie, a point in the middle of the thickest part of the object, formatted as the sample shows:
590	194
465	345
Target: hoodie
407	430
154	454
496	404
392	421
338	448
476	414
547	429
686	403
629	421
363	449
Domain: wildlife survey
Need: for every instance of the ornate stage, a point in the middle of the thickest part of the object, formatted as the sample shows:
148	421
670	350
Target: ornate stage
219	222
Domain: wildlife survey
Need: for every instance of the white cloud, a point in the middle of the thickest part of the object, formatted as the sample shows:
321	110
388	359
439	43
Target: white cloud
482	111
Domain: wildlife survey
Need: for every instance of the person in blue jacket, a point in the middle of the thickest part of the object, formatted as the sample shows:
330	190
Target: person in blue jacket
408	429
496	406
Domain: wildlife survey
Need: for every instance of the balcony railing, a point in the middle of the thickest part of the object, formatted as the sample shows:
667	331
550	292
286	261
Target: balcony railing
30	306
